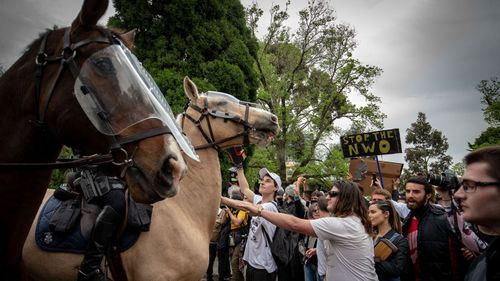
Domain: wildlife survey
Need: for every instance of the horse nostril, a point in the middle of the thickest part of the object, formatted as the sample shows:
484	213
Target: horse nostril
167	167
274	119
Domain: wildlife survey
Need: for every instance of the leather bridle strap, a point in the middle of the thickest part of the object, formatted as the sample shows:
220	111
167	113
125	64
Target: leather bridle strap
97	159
205	113
66	58
143	135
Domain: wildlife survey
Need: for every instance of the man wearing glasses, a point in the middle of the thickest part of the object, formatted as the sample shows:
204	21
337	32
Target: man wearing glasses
479	197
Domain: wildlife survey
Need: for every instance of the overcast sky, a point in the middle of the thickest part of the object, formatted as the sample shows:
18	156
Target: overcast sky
433	53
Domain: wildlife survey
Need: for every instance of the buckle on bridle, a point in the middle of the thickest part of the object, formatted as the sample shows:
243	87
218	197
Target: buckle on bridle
126	160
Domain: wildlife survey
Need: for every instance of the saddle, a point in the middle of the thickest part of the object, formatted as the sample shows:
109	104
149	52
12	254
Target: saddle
66	221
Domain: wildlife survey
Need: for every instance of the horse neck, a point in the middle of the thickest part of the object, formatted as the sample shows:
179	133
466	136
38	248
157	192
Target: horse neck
22	141
200	189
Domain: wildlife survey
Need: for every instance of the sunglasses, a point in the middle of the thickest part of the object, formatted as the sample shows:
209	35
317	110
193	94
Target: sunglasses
333	193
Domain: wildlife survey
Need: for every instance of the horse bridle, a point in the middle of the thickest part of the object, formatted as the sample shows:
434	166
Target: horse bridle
67	59
206	112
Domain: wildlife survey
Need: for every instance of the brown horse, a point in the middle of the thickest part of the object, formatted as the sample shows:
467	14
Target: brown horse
80	86
176	246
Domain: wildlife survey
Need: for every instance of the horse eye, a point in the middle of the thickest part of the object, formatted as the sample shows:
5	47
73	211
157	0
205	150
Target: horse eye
104	65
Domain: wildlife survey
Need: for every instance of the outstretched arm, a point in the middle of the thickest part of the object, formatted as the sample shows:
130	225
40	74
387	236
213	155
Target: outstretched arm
245	189
234	219
282	220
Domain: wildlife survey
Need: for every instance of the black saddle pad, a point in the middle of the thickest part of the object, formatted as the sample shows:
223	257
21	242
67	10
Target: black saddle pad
71	241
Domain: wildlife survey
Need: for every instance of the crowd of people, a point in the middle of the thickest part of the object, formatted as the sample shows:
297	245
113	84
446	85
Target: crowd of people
435	233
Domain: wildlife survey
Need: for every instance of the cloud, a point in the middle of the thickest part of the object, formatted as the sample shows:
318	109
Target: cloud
433	54
21	21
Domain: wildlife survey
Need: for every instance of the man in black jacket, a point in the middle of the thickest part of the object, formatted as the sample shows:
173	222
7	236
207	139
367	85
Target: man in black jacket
434	250
294	270
479	197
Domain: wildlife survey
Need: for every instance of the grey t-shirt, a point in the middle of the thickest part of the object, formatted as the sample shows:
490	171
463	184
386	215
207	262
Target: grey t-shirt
348	249
320	252
257	250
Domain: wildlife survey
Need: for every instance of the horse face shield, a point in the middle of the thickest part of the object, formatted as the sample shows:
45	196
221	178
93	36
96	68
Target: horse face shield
116	93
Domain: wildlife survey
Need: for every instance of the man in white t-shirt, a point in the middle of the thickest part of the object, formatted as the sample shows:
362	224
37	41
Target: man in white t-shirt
260	263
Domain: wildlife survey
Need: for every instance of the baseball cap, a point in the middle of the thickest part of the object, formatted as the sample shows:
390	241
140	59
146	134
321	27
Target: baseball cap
233	175
274	176
289	190
280	191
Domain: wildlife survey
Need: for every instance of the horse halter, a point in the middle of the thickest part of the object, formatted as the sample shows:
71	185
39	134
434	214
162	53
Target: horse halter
67	59
206	112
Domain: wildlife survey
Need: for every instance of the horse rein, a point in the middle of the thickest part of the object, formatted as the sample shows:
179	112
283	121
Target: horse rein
67	59
205	113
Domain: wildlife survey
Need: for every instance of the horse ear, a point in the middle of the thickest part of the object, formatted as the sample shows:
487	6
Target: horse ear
190	89
129	38
91	12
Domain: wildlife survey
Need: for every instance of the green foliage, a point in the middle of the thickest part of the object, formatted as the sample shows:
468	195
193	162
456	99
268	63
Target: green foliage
458	168
489	137
491	99
308	79
206	40
57	176
428	151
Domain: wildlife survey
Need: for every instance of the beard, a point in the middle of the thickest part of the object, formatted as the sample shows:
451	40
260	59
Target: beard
415	203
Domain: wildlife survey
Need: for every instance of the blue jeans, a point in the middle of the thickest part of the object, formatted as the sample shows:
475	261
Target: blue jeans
311	272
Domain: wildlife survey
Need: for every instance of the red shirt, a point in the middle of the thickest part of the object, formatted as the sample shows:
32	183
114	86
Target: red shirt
412	242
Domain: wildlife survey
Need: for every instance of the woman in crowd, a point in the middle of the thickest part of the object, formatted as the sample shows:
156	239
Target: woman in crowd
387	224
347	236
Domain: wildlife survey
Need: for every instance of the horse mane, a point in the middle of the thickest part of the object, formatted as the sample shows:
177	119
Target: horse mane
40	36
114	30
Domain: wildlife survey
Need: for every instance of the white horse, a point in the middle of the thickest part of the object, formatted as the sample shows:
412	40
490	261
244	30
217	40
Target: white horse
176	246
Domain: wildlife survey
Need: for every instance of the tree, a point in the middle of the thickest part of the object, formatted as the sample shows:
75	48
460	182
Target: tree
57	176
308	79
491	99
458	168
206	40
428	151
489	137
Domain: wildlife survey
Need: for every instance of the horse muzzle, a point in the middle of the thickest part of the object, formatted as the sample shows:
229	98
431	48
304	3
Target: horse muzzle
148	186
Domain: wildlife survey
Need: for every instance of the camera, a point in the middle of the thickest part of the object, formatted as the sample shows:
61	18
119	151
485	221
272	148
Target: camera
447	180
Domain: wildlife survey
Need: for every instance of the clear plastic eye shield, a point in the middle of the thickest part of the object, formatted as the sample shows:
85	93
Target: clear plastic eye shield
116	93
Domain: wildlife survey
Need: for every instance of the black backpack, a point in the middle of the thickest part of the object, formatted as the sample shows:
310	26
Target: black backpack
284	242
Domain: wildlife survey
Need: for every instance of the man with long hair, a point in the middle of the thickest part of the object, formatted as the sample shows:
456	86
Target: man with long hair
347	235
